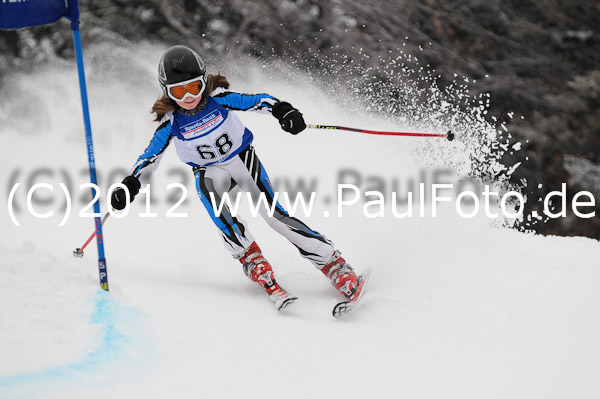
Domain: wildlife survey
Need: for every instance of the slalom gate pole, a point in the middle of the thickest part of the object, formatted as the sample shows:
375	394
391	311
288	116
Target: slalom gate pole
449	135
91	157
79	251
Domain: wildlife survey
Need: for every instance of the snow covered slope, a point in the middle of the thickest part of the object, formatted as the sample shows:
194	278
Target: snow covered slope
455	308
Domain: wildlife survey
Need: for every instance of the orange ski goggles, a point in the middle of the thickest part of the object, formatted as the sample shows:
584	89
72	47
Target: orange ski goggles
193	88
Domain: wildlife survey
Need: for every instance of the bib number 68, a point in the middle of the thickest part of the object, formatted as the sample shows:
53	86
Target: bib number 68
222	145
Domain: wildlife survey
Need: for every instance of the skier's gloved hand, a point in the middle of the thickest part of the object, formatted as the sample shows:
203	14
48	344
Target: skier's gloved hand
118	199
290	118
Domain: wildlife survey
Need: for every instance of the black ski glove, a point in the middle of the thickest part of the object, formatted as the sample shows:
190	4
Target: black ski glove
290	118
118	199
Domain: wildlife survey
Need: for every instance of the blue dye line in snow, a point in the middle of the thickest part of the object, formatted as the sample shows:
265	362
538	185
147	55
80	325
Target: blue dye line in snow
122	351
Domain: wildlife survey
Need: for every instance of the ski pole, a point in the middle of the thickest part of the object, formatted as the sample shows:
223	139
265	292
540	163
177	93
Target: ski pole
79	251
449	135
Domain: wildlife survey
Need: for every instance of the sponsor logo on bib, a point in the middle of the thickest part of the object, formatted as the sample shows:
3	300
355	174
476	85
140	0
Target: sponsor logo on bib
204	125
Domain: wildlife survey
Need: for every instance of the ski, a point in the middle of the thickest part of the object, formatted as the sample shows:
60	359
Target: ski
280	297
285	303
345	307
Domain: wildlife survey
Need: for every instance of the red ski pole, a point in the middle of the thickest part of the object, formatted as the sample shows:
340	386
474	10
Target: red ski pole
79	251
449	135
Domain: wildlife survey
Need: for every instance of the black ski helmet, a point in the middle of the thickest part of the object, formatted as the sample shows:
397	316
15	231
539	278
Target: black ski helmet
178	64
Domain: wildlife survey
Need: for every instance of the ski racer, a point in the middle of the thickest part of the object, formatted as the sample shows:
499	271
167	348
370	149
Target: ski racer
195	113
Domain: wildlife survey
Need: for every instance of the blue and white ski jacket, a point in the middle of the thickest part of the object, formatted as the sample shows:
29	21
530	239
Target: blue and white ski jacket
211	136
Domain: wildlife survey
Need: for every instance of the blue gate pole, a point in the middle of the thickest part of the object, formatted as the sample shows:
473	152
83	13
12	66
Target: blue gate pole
91	158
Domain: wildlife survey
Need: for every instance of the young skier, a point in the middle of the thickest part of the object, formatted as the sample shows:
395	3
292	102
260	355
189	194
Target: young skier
195	113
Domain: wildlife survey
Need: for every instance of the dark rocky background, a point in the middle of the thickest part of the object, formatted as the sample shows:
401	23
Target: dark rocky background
542	59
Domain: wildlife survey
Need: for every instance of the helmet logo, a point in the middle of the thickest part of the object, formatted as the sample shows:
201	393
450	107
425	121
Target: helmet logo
176	61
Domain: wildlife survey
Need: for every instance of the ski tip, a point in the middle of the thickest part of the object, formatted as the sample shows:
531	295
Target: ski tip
287	303
341	308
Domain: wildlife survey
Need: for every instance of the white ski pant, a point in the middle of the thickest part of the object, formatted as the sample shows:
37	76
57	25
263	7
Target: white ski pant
246	171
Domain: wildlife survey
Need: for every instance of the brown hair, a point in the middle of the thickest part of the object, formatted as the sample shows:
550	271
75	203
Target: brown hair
165	104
